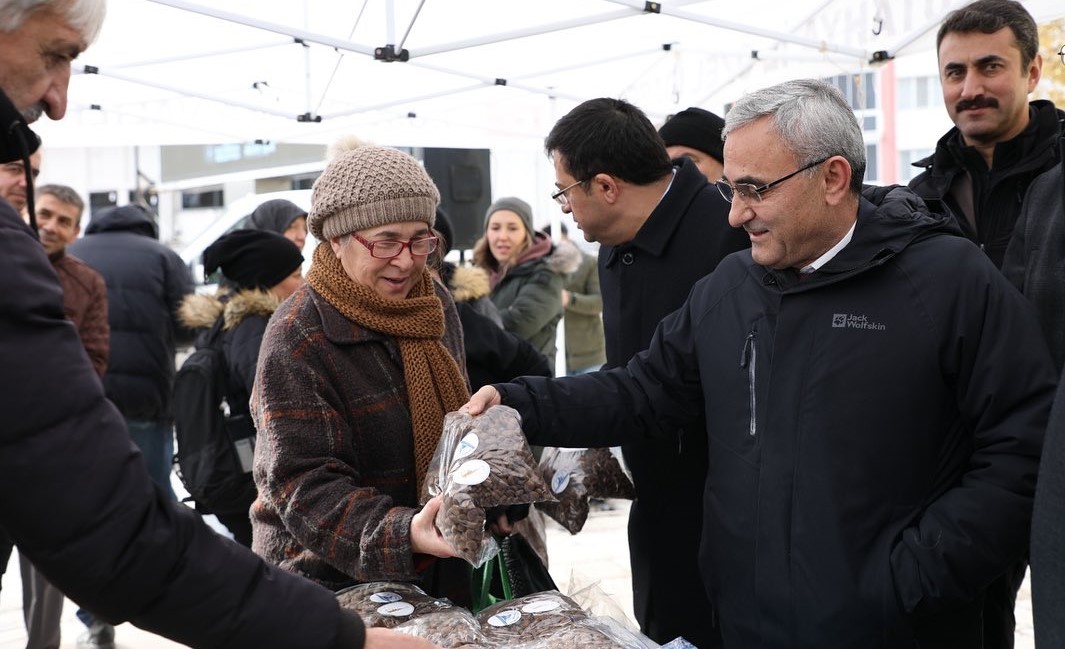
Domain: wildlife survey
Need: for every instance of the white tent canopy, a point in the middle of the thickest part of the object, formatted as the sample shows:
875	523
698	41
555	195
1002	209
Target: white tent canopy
473	73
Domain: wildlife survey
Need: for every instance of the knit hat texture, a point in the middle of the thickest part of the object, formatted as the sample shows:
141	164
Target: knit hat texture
695	128
252	258
368	187
516	205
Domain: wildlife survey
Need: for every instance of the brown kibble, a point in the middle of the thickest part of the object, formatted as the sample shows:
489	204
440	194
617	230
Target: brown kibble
480	463
577	475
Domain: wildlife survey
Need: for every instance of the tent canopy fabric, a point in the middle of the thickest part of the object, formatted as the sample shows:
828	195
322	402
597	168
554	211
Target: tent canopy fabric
456	73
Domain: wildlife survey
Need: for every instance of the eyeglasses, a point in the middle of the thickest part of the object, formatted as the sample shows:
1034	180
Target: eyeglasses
754	193
560	196
390	249
1061	53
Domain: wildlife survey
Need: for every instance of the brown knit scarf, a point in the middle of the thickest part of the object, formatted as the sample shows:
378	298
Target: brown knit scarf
434	381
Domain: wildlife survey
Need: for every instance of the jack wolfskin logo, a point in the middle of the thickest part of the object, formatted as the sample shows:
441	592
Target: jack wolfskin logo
851	321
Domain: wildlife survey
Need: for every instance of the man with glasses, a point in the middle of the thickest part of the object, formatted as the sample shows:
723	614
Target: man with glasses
662	228
874	394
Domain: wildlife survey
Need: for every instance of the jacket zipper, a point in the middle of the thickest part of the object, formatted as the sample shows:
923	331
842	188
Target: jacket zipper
748	360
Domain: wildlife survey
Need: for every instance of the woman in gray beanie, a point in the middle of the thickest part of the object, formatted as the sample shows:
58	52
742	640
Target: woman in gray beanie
525	277
356	372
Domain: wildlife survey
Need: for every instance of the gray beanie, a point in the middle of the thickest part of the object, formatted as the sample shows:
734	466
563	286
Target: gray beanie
368	187
516	205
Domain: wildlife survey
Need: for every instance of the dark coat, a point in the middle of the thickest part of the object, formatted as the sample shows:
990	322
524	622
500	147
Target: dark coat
874	433
146	282
493	355
1048	530
998	193
77	499
334	457
1035	259
642	282
529	299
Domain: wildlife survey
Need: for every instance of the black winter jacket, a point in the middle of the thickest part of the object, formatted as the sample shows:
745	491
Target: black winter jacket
998	193
643	281
1035	258
874	433
146	282
77	499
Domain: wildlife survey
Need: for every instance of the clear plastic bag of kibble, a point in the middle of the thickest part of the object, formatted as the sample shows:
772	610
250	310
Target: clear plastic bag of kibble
451	629
521	619
577	475
590	633
481	463
390	604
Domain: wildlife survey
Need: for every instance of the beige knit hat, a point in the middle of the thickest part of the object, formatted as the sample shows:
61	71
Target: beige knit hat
367	187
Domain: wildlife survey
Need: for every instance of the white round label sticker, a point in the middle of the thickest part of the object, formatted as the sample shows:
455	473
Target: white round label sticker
560	481
467	445
540	606
506	618
472	472
396	609
384	597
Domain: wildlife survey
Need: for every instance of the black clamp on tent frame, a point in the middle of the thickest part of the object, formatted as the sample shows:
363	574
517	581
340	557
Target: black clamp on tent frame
388	54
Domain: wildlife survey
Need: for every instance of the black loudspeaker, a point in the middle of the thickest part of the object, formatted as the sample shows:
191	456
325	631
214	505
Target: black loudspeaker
464	178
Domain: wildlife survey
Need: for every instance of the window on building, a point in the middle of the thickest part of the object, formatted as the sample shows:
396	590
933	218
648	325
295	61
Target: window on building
906	159
918	92
202	198
872	164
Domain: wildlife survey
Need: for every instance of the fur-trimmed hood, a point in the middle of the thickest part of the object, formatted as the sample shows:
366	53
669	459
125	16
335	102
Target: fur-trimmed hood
468	283
565	258
201	311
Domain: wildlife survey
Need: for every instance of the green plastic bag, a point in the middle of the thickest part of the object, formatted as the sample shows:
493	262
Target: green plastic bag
491	583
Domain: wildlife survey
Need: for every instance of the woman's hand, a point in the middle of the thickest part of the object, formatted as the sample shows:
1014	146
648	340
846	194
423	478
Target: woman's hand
425	538
378	638
482	400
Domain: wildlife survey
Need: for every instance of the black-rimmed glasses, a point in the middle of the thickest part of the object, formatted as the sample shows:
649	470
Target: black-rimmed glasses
753	193
388	249
560	196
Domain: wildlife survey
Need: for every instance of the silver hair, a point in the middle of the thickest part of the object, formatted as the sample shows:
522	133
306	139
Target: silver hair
812	118
86	16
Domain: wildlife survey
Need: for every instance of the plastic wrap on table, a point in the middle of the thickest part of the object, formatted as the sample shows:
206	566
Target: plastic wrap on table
452	628
481	463
577	475
590	633
390	604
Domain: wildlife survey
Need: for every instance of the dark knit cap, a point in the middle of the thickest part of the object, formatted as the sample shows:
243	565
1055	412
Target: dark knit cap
697	129
516	205
252	258
443	226
275	215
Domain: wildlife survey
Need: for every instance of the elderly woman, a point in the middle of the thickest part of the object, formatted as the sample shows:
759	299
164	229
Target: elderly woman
356	372
525	276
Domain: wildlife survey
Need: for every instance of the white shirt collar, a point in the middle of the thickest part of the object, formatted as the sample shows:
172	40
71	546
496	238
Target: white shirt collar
832	252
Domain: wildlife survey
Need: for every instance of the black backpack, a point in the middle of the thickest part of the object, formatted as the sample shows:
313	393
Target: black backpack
214	447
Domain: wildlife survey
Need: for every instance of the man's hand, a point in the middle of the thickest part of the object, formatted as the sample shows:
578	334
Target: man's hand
482	400
425	538
378	638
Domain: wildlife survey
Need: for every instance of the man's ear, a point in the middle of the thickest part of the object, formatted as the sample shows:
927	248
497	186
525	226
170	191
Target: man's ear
837	179
608	185
1035	72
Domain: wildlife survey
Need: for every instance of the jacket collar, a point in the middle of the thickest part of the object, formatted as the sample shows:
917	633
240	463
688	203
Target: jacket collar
654	235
